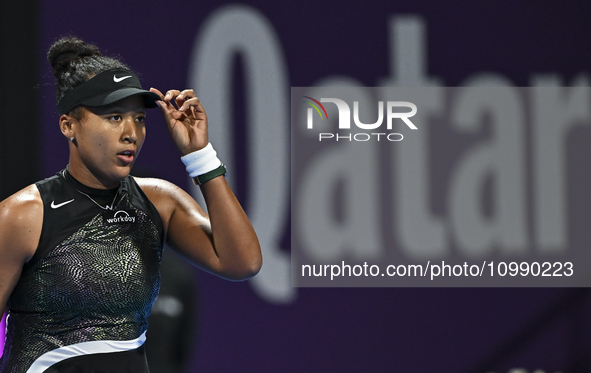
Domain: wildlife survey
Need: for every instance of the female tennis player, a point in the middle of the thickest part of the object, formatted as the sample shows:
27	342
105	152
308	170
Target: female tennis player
81	250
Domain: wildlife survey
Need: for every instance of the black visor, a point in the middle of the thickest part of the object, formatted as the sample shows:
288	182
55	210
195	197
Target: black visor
106	88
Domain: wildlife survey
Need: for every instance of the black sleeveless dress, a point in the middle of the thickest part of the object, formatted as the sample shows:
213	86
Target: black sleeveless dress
82	302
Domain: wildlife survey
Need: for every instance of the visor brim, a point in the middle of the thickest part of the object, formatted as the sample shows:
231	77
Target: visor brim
150	98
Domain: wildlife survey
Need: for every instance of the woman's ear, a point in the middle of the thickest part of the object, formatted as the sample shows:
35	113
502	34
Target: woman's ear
66	122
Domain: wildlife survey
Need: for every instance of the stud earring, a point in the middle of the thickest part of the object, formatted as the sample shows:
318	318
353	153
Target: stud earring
71	139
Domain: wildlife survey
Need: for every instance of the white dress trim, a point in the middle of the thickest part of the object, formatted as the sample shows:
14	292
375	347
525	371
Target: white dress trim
84	348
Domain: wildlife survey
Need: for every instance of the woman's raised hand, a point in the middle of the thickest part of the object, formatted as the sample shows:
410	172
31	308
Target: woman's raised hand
186	119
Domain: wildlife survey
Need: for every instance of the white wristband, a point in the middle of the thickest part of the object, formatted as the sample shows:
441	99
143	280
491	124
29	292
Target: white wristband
201	161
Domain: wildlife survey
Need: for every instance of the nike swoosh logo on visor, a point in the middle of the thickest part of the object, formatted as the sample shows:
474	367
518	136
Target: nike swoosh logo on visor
54	206
117	80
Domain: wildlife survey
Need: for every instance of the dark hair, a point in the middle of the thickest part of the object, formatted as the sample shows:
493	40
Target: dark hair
74	62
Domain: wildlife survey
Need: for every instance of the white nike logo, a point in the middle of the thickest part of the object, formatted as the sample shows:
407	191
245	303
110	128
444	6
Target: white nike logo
54	206
117	80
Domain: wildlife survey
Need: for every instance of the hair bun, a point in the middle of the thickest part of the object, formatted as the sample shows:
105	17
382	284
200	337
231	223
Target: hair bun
69	48
74	62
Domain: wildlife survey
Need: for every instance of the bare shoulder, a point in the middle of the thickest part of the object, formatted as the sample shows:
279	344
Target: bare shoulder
24	204
158	189
168	198
155	186
21	220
